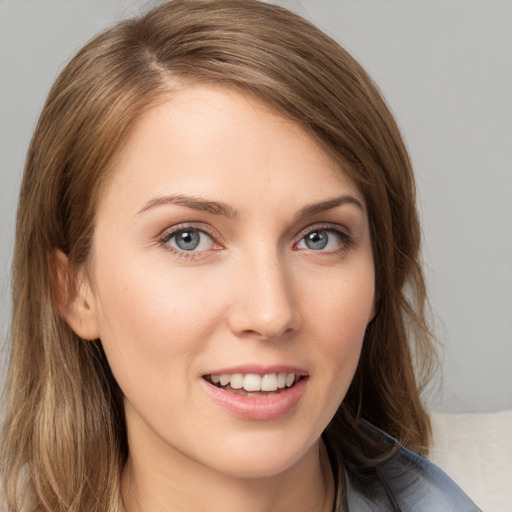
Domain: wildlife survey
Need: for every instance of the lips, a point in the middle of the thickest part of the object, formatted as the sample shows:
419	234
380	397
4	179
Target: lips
256	394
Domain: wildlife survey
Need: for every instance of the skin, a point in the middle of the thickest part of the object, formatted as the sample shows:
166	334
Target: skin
252	293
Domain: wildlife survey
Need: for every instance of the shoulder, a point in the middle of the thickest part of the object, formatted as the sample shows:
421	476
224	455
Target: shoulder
404	482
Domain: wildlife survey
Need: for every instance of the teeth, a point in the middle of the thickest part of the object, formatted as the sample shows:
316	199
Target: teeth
252	382
255	382
269	382
237	381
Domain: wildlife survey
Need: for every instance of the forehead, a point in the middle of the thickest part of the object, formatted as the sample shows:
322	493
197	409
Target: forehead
226	144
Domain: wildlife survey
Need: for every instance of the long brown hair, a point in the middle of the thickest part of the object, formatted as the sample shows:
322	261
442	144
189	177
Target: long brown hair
64	435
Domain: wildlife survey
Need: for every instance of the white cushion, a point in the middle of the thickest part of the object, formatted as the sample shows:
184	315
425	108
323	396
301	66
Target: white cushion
475	450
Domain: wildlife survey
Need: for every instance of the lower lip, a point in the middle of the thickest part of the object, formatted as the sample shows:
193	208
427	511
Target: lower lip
258	407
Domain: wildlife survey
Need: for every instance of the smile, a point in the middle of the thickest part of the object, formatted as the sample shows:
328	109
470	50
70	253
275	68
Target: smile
252	383
257	396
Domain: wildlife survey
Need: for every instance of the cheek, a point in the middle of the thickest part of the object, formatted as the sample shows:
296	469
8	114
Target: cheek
151	322
342	301
339	316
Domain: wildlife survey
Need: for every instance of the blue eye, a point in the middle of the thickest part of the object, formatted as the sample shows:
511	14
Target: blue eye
189	239
323	240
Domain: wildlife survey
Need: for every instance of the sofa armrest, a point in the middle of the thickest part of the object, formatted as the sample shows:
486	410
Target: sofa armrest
475	450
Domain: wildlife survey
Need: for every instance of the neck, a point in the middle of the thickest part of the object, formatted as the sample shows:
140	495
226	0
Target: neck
179	484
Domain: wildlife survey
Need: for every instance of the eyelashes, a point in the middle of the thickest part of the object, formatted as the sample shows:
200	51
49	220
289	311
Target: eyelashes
189	241
197	242
324	239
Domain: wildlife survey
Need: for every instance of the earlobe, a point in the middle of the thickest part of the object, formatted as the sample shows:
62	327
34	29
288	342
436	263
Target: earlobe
73	297
373	314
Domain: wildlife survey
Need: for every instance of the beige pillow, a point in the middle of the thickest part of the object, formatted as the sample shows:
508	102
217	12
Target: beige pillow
475	450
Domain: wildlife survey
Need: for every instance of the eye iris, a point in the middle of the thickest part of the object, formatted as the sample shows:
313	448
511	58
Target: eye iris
187	240
316	240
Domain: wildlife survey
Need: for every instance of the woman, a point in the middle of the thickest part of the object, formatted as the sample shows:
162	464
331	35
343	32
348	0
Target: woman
216	279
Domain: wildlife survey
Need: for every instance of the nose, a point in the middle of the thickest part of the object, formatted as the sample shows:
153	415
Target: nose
264	303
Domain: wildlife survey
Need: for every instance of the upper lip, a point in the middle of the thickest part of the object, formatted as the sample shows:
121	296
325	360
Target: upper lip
258	369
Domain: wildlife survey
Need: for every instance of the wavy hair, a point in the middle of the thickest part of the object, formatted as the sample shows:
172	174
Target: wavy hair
64	435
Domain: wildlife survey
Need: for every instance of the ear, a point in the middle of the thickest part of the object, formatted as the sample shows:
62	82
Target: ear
373	313
375	306
74	297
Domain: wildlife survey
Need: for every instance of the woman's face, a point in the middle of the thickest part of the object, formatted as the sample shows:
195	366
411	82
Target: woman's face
231	281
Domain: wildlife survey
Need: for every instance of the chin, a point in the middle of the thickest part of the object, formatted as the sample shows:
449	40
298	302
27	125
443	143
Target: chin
254	460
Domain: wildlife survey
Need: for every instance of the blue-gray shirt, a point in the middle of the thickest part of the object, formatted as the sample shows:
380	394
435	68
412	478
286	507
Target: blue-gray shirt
405	482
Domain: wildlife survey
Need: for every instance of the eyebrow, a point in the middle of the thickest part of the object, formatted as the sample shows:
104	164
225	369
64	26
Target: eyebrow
315	208
196	203
219	208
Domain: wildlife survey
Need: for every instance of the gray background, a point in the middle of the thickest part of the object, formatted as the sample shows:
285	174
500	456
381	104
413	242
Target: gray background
445	68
